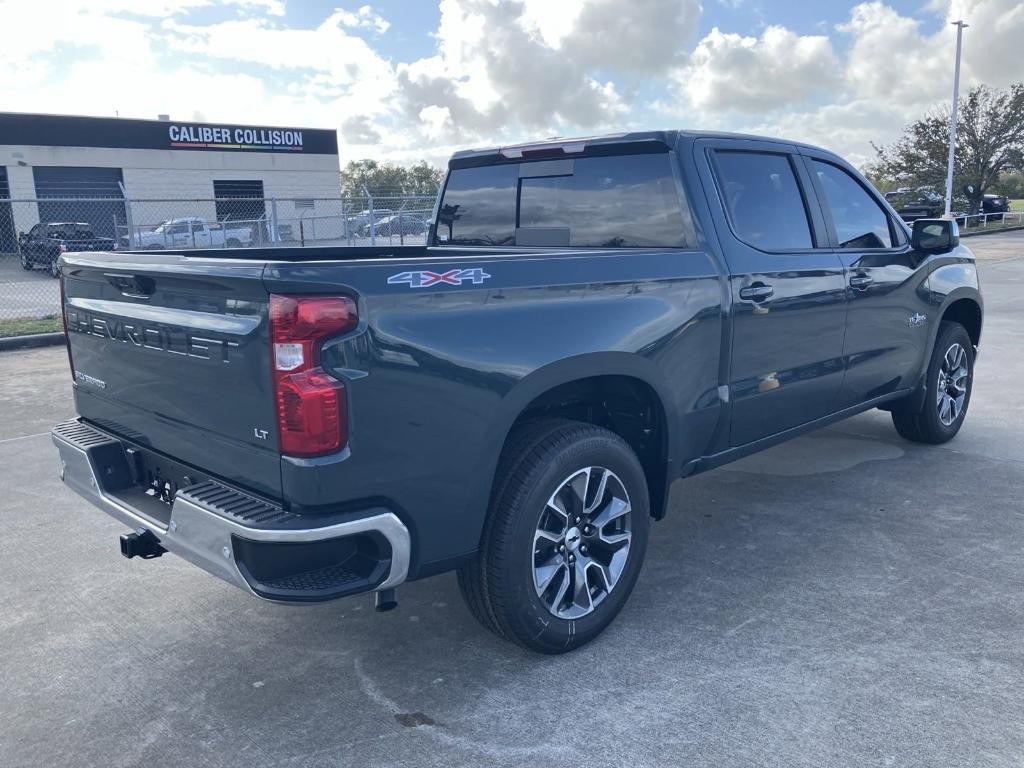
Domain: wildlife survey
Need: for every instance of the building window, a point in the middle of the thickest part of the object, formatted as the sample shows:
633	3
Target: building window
239	200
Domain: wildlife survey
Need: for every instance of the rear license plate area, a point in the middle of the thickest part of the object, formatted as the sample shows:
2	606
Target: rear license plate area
160	477
155	481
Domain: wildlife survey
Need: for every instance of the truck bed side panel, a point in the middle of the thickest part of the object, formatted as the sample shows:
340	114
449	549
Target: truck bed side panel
439	373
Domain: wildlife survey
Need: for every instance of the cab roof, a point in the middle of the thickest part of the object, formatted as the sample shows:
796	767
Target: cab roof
635	141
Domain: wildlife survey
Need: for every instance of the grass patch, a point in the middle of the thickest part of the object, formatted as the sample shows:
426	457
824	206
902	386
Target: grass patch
1017	205
26	325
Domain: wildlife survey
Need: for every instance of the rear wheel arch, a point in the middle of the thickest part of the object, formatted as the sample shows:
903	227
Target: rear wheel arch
622	396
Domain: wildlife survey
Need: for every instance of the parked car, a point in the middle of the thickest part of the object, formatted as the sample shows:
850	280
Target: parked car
358	221
396	224
192	232
995	206
922	203
41	246
592	320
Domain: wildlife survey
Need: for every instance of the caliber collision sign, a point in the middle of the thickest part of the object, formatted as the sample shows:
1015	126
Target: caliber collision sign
233	137
124	133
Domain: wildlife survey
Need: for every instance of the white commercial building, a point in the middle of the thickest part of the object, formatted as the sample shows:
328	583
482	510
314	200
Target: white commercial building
121	174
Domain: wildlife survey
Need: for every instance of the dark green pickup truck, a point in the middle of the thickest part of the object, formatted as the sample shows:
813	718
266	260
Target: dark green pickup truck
590	321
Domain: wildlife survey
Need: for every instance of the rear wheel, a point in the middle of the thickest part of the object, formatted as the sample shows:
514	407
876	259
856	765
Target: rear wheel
565	537
949	381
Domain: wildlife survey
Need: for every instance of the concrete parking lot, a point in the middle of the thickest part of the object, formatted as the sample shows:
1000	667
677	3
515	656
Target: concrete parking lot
26	294
844	599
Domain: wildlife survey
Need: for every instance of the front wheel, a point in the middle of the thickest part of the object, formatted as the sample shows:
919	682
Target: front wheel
565	536
54	269
948	385
25	262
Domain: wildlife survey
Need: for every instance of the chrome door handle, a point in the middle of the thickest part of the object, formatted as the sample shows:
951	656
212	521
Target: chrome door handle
757	292
861	282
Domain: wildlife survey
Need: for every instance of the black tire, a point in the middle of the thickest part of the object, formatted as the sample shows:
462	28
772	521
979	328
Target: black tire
54	269
26	263
927	423
234	242
498	584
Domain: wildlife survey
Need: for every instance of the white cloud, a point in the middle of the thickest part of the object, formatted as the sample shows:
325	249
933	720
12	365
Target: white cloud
641	36
993	42
889	57
359	129
502	70
893	72
493	73
729	72
364	18
345	59
506	69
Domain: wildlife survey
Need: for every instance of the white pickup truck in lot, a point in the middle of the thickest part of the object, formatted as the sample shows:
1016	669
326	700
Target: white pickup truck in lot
192	232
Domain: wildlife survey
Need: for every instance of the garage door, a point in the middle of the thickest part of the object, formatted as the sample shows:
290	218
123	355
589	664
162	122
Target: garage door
239	199
90	195
8	237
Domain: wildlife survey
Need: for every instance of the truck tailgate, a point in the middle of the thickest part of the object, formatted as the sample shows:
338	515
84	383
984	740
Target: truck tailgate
172	353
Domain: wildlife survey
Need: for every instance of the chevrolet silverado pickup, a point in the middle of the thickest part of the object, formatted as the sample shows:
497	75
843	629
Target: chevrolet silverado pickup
589	321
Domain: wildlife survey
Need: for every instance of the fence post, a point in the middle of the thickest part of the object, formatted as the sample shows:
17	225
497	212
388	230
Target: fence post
373	219
274	236
346	223
130	222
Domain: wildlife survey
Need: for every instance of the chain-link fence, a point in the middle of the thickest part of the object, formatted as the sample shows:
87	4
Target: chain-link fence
34	232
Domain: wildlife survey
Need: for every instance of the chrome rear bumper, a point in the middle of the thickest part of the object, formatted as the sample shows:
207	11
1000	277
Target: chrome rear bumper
208	537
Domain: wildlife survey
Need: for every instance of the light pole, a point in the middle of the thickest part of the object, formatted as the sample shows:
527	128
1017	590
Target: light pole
952	117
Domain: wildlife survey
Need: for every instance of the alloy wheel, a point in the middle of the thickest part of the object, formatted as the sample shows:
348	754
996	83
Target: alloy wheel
582	542
954	377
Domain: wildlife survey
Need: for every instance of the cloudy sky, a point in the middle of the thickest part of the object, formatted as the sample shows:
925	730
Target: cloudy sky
410	79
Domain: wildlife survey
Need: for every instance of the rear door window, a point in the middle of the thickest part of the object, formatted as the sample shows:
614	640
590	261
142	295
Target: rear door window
606	202
611	202
763	200
859	220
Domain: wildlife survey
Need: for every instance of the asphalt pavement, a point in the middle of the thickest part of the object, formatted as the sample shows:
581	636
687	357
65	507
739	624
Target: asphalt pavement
845	599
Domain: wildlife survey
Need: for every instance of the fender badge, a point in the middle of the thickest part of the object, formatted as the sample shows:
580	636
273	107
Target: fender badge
426	279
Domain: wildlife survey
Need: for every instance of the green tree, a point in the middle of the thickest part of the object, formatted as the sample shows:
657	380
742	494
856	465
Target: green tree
989	141
423	179
388	179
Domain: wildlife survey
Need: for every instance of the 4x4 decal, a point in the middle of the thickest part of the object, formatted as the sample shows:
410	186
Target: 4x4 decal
425	279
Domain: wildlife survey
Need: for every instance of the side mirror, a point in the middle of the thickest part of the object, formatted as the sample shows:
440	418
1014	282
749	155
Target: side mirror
935	235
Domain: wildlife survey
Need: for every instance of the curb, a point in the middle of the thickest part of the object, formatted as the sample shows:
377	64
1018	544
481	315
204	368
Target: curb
992	231
31	340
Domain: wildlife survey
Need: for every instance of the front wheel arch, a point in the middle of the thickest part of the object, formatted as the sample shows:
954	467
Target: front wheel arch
965	312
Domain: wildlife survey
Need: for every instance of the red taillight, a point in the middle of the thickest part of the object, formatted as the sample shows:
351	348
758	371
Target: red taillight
64	320
312	416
